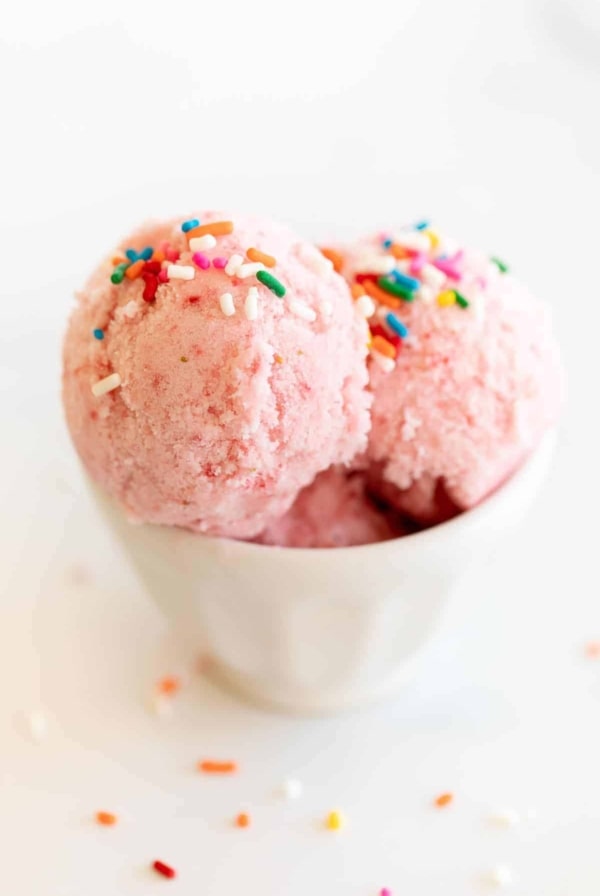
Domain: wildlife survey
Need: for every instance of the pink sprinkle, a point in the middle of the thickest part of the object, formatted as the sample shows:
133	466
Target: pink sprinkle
417	263
481	282
385	892
162	275
219	263
164	246
172	255
202	260
448	267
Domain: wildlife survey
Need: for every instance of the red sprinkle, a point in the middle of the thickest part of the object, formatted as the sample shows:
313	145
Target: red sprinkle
152	267
163	276
378	330
163	869
370	278
193	299
150	287
172	254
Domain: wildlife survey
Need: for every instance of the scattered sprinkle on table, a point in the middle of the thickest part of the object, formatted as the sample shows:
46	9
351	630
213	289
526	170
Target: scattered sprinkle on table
292	789
110	382
242	820
217	767
170	684
334	821
500	876
505	818
271	283
163	869
106	818
444	799
98	333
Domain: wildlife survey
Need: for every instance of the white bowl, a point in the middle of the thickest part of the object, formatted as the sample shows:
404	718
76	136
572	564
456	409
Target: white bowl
317	630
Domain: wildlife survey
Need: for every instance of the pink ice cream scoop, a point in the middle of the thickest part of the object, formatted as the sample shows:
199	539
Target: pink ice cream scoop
334	511
211	370
464	369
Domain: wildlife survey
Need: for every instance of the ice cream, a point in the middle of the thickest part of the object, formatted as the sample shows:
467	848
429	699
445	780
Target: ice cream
334	511
464	370
212	369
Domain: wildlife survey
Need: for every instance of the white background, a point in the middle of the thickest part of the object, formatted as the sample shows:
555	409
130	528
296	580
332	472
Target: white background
337	118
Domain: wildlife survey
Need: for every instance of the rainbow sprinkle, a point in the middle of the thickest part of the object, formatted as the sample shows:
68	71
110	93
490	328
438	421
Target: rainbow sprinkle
271	283
189	225
98	333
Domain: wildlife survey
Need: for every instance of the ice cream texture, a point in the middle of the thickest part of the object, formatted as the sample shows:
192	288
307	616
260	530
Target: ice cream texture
212	369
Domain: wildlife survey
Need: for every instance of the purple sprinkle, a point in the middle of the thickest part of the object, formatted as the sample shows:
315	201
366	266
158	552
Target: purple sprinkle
202	260
219	263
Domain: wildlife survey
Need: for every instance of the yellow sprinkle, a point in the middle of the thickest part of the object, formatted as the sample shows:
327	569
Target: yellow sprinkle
446	298
183	358
278	358
334	821
433	238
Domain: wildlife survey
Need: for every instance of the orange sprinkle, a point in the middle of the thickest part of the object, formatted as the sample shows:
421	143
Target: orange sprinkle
398	251
242	820
357	290
170	684
592	650
257	255
278	358
118	259
381	345
134	270
216	228
380	295
106	818
444	799
335	257
157	255
211	766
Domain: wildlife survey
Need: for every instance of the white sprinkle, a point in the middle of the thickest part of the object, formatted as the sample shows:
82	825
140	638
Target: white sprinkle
365	306
251	304
292	789
382	361
231	268
313	259
426	294
432	276
226	303
376	264
505	818
249	270
38	727
413	239
110	382
300	309
500	876
130	310
326	309
180	272
200	243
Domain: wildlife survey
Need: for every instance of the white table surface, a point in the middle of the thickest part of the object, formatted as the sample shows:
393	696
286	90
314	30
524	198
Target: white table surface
481	115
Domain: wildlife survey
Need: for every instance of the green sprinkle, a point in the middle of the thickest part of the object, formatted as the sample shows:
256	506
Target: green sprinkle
119	272
396	289
271	283
461	300
500	264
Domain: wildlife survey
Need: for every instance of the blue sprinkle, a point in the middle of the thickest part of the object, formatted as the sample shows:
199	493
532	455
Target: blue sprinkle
131	254
189	225
146	253
387	244
404	280
422	225
99	334
395	324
